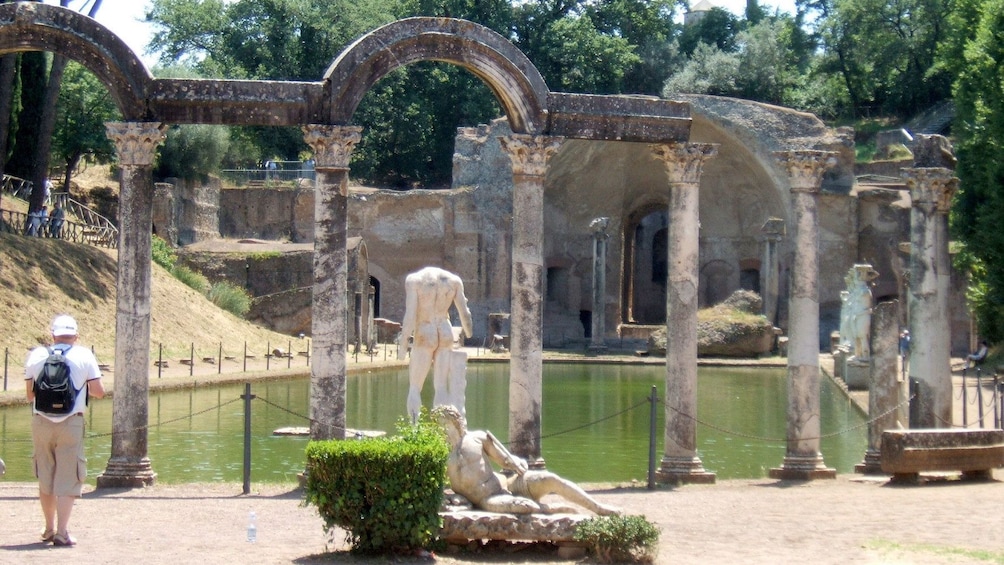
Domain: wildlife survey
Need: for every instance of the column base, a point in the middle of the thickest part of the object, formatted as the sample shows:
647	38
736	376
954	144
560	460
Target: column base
127	474
800	468
683	471
872	464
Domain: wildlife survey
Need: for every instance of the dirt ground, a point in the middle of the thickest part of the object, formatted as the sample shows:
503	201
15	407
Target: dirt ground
847	520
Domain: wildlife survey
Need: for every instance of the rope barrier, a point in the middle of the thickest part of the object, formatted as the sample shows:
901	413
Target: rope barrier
780	440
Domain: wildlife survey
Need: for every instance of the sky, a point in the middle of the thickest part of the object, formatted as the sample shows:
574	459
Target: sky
125	18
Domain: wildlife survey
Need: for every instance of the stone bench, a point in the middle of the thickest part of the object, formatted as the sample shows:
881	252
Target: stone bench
975	453
461	527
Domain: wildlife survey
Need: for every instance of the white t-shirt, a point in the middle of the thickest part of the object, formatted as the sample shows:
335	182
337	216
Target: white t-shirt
83	368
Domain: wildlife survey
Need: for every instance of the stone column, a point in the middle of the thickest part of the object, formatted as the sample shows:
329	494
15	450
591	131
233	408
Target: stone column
930	364
332	147
599	325
129	464
803	461
683	163
770	271
529	155
883	383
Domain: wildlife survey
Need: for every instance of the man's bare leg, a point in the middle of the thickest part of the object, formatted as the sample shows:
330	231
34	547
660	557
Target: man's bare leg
418	368
509	504
542	483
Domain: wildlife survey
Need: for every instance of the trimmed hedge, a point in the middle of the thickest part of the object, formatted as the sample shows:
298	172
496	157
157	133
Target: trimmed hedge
385	492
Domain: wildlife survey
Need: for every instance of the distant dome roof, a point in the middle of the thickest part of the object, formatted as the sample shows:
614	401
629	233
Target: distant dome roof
703	6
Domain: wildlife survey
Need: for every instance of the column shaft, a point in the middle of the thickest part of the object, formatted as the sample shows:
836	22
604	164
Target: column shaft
332	147
684	163
931	190
883	383
129	464
803	461
597	340
529	155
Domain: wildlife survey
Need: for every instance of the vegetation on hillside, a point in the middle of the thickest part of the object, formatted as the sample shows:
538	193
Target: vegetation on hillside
56	276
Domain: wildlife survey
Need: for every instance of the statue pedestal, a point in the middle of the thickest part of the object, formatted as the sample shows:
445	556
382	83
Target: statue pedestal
840	355
857	372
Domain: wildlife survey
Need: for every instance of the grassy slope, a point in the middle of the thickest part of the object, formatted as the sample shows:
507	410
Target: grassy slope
40	278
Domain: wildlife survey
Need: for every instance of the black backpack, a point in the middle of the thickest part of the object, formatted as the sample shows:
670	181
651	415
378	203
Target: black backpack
54	392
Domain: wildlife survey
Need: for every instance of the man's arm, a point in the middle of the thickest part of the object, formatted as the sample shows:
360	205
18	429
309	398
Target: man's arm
501	456
460	301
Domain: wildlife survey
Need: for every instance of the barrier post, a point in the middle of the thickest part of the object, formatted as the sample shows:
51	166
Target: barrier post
247	396
6	357
289	354
965	398
160	358
191	357
245	356
979	392
268	354
653	405
219	360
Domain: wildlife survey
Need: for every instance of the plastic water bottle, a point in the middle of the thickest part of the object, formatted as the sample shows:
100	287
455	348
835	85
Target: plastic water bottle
252	527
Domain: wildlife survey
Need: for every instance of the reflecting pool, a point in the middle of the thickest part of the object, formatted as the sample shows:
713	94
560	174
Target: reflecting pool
595	423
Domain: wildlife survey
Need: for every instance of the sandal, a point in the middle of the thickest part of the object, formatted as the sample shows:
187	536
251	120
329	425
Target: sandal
60	540
47	535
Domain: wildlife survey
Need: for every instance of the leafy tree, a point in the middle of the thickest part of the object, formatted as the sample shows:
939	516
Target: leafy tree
192	151
885	52
718	28
762	68
978	209
83	108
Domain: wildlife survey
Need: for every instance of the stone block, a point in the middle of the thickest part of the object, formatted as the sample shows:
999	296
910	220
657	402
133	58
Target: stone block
906	453
461	526
857	373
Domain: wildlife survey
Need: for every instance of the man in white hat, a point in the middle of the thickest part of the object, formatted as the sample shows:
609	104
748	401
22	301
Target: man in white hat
59	438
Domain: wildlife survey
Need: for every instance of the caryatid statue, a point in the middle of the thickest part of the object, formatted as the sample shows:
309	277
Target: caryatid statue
429	293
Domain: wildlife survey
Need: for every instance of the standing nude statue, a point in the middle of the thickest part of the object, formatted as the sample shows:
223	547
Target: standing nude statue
469	469
429	293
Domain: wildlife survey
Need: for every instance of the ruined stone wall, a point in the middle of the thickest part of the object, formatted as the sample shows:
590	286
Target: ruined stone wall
260	274
185	212
838	251
262	213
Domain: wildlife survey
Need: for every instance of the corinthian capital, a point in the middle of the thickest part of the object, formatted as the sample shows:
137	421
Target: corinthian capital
332	145
935	185
530	153
805	167
135	142
684	162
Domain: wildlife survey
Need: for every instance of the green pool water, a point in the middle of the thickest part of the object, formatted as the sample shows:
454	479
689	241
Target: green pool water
595	423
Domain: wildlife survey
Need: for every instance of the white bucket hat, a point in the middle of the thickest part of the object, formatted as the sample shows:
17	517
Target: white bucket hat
64	325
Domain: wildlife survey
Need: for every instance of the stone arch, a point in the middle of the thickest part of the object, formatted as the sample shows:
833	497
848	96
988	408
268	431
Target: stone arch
83	40
516	83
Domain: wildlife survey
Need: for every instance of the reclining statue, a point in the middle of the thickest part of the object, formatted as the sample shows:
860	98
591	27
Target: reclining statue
471	475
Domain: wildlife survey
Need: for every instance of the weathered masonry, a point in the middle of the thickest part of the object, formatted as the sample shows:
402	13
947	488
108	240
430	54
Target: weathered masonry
550	134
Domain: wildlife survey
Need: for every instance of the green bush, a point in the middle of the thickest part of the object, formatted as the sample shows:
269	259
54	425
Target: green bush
385	492
619	539
192	279
231	298
162	253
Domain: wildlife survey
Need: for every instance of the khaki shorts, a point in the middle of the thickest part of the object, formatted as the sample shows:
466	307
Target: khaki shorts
59	455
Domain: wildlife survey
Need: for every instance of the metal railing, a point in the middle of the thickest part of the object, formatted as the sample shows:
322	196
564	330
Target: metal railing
18	223
17	187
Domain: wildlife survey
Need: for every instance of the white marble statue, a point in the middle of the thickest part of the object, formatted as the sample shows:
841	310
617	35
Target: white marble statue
429	293
845	318
859	310
471	475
